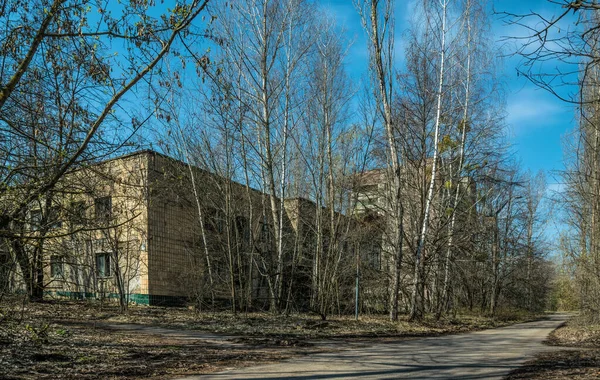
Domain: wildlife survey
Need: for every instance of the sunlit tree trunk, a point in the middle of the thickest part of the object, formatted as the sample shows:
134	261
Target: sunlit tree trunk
416	312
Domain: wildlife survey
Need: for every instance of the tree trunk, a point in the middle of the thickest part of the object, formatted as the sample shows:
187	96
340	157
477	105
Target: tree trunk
383	73
416	312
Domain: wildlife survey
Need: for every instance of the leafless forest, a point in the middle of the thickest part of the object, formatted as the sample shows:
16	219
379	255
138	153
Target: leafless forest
259	93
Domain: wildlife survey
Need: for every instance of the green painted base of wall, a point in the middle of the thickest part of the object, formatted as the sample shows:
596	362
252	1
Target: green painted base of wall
157	300
139	299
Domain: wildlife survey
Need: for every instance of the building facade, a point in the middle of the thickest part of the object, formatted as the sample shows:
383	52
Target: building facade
149	229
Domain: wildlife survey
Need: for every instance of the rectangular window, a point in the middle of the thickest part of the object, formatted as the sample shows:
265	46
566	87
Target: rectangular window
56	266
325	243
243	228
54	218
35	219
374	256
213	220
77	213
103	207
103	264
265	233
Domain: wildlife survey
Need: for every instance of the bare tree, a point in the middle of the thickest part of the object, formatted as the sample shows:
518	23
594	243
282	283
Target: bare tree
378	22
418	296
569	39
320	145
269	40
59	64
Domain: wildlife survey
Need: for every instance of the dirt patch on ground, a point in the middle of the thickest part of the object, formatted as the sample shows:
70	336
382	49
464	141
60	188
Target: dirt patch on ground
582	361
71	340
577	332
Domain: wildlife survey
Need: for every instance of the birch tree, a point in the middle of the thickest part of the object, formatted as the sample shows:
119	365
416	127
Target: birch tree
433	23
322	147
473	139
378	22
270	39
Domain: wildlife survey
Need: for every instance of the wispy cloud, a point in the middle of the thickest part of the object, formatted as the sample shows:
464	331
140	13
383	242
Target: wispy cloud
532	108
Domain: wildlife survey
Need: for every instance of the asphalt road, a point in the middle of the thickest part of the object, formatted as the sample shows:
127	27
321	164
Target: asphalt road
488	354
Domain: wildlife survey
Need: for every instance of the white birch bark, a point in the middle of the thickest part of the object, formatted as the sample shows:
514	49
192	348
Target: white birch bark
381	56
200	216
417	294
461	159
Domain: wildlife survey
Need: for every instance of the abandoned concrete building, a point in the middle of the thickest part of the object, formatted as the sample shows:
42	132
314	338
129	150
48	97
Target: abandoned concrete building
371	191
158	231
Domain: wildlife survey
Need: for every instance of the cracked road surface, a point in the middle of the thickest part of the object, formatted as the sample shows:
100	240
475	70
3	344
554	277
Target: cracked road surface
488	354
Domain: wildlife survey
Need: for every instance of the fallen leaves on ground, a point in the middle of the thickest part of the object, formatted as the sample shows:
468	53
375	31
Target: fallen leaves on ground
72	340
305	326
91	353
581	361
578	364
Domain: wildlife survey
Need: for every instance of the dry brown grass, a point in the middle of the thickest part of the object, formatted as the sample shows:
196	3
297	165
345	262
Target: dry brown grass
82	352
305	326
578	364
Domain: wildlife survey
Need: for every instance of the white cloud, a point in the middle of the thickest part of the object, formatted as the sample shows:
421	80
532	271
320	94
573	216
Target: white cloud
523	109
531	108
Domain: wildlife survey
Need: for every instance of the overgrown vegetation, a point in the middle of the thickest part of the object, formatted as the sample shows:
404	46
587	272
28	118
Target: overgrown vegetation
416	210
419	205
73	340
570	39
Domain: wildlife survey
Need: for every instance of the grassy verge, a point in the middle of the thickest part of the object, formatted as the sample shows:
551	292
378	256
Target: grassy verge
308	327
70	339
580	361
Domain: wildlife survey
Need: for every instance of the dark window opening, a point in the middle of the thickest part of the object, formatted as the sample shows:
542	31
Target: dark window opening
265	233
35	220
374	257
56	266
214	220
77	214
103	264
54	218
243	227
103	209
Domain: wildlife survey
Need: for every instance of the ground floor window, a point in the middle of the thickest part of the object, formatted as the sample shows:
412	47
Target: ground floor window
103	264
56	266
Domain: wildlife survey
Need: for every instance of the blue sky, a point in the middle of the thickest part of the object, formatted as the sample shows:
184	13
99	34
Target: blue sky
536	121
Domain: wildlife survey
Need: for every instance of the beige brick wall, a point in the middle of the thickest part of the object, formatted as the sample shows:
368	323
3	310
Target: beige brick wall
176	250
156	227
125	181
